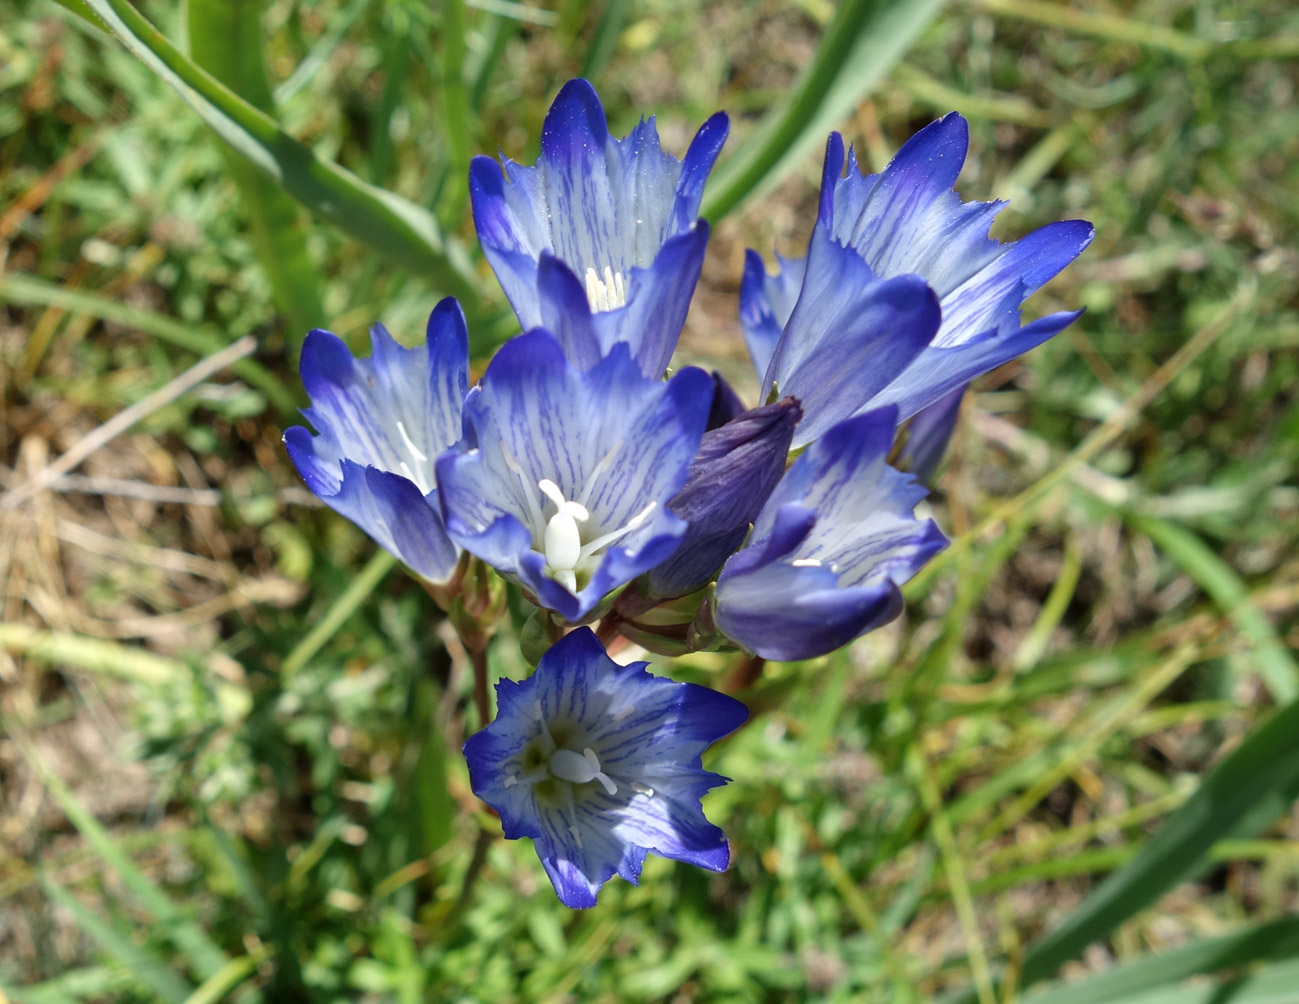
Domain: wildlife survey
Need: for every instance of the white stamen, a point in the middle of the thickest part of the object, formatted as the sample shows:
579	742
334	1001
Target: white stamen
605	462
606	539
806	562
607	294
410	445
534	510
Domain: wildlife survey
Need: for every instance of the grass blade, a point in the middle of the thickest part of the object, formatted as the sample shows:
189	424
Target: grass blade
606	38
31	291
204	954
404	232
1274	941
864	39
147	969
225	38
1224	587
357	592
1241	795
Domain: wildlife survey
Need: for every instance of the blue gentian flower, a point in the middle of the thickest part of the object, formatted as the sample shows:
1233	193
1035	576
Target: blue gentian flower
829	549
599	764
601	241
820	328
564	475
382	422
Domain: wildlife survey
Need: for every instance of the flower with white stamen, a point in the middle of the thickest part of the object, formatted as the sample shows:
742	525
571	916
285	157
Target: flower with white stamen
599	764
381	422
563	477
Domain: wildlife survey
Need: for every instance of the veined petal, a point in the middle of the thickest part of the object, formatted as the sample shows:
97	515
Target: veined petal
381	422
905	222
599	764
938	371
388	507
607	439
766	303
851	333
830	548
735	470
621	215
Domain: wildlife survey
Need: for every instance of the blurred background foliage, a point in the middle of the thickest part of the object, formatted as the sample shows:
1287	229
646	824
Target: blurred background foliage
229	766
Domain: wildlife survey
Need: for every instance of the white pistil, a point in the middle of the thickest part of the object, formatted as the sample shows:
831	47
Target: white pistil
608	293
579	768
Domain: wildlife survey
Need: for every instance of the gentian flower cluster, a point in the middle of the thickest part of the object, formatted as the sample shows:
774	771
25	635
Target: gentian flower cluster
664	510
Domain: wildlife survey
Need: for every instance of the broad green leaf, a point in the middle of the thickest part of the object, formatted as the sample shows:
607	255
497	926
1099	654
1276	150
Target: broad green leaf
225	38
402	231
1274	984
1276	940
863	40
1241	795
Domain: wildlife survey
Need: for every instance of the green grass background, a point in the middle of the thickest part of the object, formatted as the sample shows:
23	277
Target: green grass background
229	766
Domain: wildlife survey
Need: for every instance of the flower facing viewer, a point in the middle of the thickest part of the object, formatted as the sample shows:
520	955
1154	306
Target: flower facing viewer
875	235
600	764
599	242
382	422
563	478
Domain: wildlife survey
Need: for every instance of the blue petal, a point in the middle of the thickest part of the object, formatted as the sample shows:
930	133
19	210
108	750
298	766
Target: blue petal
388	507
849	336
996	291
939	371
726	403
766	303
735	470
510	219
785	613
566	312
830	547
648	733
696	166
928	435
657	303
651	321
381	421
595	202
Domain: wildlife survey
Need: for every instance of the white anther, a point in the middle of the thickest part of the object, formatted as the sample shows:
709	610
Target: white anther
806	562
642	789
608	293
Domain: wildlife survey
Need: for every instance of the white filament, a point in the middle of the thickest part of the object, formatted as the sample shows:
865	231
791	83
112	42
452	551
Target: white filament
608	293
